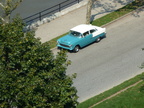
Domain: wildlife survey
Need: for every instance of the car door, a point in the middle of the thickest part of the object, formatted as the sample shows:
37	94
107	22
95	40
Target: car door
93	32
86	39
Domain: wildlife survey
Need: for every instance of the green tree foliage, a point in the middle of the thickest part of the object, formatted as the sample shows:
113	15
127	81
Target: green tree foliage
30	75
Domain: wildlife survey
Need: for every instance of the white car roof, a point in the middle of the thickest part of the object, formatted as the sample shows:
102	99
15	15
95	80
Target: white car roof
83	28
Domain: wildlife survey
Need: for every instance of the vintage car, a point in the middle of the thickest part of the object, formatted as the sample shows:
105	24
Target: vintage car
81	36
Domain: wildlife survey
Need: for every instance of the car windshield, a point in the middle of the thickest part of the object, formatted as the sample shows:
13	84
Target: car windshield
74	33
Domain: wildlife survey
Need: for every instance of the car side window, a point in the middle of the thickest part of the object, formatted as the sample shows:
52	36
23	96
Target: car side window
92	31
86	33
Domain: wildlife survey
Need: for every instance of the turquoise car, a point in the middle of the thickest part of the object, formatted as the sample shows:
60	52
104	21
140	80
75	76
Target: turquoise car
81	36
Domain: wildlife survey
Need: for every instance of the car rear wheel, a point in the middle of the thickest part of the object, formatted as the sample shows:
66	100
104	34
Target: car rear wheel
76	49
98	39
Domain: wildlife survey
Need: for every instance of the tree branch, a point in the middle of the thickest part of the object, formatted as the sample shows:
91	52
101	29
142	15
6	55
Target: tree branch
2	19
16	5
2	5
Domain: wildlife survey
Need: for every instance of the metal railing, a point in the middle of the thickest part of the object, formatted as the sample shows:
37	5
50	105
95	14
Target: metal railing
50	11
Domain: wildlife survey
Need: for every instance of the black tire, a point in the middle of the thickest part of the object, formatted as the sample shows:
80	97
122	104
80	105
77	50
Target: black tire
98	39
59	48
76	49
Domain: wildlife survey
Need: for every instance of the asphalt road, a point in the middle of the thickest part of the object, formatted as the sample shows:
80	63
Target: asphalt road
101	66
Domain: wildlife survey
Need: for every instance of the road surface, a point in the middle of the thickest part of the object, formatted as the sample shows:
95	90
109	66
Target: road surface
101	66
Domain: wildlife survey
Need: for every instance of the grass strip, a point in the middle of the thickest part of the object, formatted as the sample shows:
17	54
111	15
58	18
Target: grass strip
110	17
90	102
131	98
53	42
116	94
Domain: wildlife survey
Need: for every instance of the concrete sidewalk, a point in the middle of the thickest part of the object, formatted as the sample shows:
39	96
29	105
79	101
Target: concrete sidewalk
64	23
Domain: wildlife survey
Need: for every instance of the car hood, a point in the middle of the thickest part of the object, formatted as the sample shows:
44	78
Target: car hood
68	39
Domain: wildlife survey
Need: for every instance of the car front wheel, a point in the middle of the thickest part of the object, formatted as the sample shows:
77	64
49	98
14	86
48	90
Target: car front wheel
76	49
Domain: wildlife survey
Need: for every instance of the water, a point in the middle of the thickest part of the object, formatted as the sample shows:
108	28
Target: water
30	7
